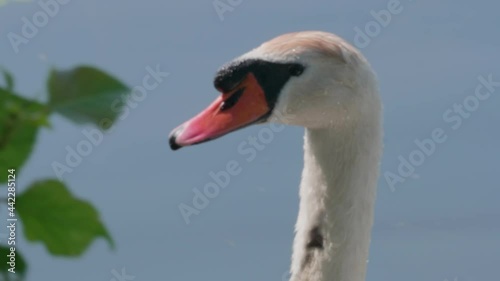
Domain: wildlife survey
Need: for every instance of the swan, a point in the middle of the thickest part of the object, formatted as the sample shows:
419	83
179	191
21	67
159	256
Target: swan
318	81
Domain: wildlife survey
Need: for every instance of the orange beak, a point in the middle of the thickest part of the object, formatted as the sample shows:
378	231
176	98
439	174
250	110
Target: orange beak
233	110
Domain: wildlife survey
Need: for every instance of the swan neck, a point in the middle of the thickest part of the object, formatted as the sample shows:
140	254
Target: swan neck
337	195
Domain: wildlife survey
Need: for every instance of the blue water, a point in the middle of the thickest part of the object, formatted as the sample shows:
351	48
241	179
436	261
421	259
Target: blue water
442	223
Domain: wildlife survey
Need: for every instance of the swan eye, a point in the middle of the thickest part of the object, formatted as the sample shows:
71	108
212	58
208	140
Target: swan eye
296	69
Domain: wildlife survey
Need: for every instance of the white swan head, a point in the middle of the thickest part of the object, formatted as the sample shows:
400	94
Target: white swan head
311	79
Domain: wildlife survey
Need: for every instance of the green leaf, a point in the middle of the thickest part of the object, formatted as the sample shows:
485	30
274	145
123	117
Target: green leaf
20	263
19	122
5	2
9	80
86	94
65	224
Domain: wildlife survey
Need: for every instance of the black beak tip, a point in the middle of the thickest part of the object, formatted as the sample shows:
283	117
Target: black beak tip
171	141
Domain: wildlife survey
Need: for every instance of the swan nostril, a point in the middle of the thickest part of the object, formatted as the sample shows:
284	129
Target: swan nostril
232	100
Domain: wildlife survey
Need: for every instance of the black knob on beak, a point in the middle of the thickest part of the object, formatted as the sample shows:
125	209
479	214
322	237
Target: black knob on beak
171	140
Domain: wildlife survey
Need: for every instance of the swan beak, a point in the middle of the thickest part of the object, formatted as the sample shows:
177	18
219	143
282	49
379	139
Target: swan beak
232	110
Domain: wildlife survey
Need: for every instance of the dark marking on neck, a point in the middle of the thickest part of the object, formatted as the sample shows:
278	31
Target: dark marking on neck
315	242
315	239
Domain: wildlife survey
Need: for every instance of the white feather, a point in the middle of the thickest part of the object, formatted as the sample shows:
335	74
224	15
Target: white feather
336	99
